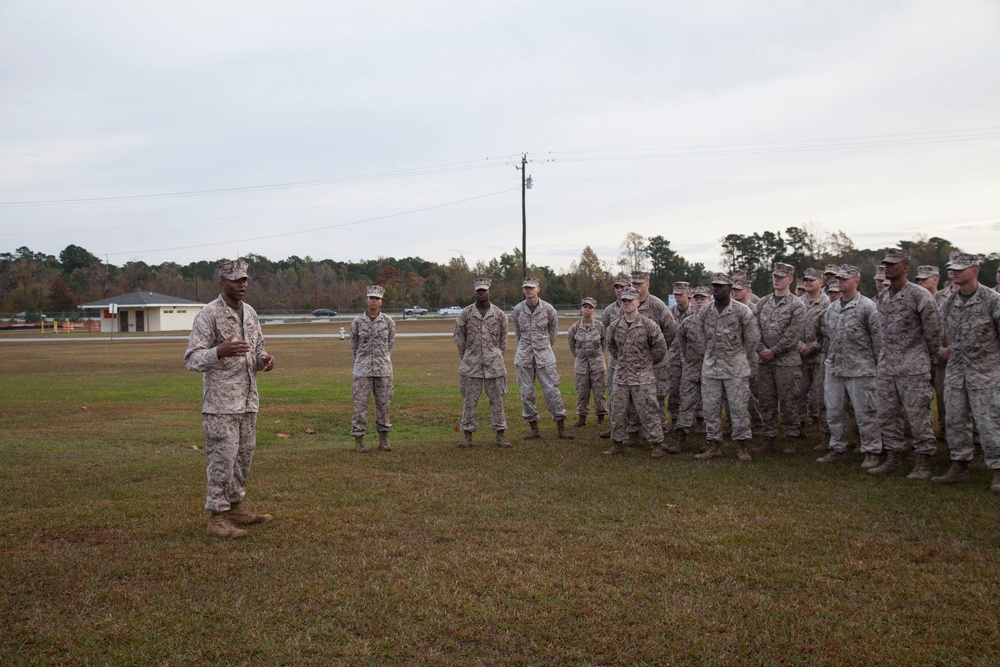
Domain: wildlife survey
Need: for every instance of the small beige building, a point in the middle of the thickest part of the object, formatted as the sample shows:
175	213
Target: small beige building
145	311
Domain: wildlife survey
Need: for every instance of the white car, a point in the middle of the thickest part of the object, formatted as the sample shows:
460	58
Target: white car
450	310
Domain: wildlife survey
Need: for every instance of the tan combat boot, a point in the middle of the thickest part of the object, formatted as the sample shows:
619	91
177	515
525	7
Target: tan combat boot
561	430
383	441
467	441
244	517
741	451
768	446
658	451
502	441
713	451
831	457
359	444
614	449
678	445
581	421
922	470
958	472
871	461
789	448
893	462
535	433
219	526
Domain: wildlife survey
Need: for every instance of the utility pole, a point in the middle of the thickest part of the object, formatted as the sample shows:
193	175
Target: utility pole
525	185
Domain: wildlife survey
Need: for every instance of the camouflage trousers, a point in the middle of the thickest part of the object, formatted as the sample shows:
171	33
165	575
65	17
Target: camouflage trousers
639	400
690	400
779	387
472	389
674	396
737	392
611	382
841	393
364	388
905	400
595	382
662	391
230	441
968	408
548	378
937	377
811	400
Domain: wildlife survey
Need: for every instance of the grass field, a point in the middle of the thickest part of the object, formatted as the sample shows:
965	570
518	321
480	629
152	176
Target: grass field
545	554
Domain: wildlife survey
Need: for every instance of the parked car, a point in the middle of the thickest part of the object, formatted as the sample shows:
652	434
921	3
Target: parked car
324	312
450	310
415	310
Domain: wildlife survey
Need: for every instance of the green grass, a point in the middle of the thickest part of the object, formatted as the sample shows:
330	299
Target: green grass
548	553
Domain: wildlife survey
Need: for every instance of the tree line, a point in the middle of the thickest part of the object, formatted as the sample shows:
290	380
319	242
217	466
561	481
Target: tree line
35	282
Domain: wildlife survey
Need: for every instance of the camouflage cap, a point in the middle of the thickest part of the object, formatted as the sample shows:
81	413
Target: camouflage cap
847	271
880	272
721	279
833	288
623	280
630	294
830	269
233	270
481	283
959	261
529	282
640	277
702	290
813	273
588	301
783	270
681	287
896	255
800	286
926	271
738	279
375	290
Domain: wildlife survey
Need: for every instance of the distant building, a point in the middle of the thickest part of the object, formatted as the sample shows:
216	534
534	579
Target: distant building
145	311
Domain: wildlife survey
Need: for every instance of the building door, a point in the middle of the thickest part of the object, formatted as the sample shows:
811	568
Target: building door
122	320
140	320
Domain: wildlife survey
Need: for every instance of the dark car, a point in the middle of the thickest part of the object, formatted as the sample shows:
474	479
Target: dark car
324	312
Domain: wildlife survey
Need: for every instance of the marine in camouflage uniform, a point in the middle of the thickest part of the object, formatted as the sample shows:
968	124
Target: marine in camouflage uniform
928	277
681	309
638	344
852	338
742	293
911	335
691	353
536	325
781	317
227	345
373	335
730	334
612	312
481	339
587	341
972	380
654	308
811	351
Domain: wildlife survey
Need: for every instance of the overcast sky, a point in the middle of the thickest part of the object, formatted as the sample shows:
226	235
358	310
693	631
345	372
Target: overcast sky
202	130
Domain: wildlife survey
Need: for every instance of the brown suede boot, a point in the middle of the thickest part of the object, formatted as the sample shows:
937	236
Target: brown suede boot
714	450
958	472
561	430
383	441
535	433
359	444
219	526
893	462
741	451
922	470
467	442
502	441
241	516
614	449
